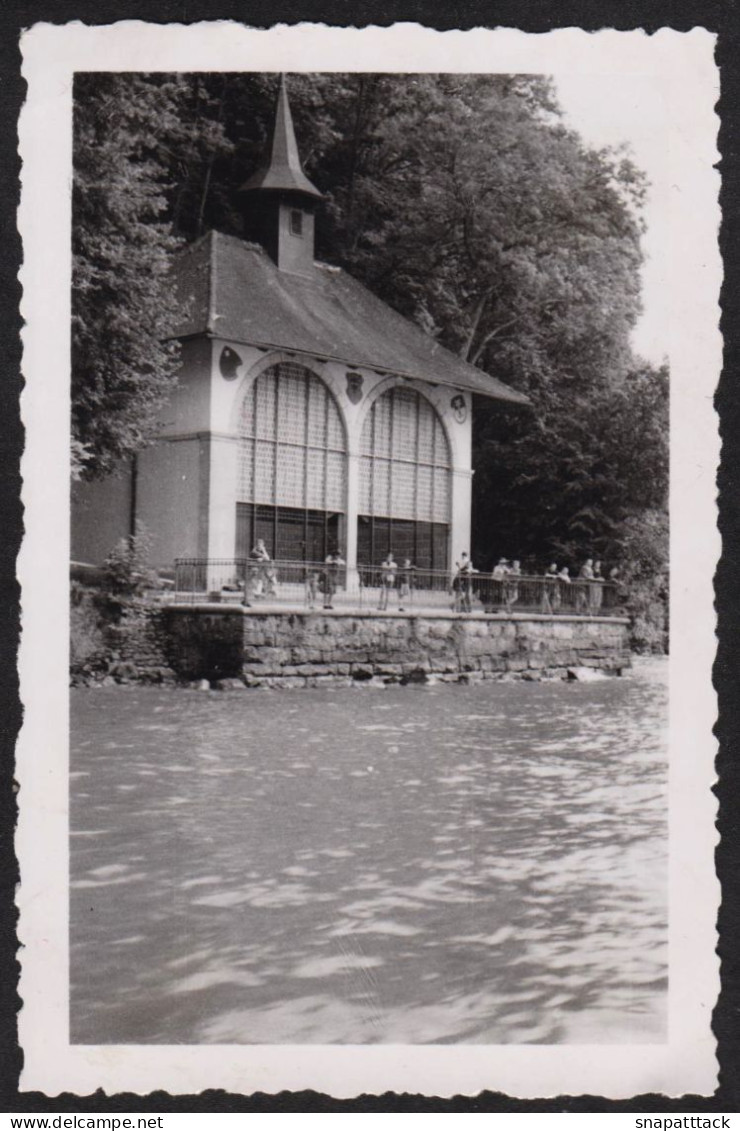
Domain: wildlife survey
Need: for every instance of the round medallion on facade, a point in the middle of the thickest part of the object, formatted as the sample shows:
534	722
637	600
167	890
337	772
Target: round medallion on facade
354	387
459	408
229	362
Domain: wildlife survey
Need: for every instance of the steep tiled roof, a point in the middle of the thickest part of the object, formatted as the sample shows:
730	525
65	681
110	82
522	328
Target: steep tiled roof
232	289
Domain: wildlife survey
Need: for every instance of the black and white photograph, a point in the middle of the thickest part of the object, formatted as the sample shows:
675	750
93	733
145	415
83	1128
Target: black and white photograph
372	702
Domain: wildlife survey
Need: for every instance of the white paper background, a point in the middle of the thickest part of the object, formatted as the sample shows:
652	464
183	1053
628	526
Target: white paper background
681	67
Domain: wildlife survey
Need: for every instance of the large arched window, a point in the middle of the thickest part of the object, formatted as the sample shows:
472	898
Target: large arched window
292	466
404	482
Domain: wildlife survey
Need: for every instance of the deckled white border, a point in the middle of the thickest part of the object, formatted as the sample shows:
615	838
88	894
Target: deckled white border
683	63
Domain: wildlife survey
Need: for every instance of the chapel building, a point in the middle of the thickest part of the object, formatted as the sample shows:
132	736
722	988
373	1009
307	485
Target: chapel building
307	413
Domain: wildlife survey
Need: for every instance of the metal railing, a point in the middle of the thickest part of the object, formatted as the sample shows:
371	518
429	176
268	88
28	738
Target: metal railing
317	585
480	592
249	582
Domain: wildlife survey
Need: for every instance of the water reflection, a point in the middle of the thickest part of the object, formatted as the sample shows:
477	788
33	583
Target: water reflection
448	864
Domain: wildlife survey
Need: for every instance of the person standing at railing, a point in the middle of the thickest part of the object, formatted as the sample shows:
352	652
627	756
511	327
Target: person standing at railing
405	583
465	573
388	572
498	576
511	587
313	579
585	577
254	574
258	556
597	588
329	580
564	584
551	589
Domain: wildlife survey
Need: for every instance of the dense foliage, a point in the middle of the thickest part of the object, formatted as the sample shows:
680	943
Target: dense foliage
461	200
131	136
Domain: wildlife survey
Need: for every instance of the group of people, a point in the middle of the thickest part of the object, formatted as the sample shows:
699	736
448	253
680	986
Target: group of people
506	572
261	579
552	588
588	596
391	577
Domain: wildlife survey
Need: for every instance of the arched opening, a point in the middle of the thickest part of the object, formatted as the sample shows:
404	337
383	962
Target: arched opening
405	482
292	466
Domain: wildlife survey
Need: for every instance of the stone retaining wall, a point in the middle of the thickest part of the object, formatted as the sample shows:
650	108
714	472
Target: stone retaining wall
301	649
229	647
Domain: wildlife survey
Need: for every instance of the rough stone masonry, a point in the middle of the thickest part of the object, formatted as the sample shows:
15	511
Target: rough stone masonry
230	647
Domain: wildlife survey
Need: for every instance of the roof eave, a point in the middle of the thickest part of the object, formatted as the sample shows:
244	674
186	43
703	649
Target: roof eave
512	396
267	180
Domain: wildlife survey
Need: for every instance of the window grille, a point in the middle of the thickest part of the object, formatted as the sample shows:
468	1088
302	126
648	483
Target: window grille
405	463
405	481
292	464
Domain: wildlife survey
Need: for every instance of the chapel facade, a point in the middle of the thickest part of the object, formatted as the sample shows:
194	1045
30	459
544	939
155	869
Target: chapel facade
307	413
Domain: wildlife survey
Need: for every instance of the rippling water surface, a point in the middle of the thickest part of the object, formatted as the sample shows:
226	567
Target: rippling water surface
479	864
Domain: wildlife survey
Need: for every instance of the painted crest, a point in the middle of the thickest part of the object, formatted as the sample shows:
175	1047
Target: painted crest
229	362
354	387
459	408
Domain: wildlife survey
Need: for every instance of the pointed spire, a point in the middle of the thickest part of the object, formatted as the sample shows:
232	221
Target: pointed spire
283	173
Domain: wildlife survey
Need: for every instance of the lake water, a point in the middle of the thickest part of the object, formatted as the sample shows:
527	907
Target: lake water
481	864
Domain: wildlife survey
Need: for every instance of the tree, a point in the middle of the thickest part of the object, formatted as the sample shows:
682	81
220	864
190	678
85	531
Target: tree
123	366
465	203
461	200
643	550
561	481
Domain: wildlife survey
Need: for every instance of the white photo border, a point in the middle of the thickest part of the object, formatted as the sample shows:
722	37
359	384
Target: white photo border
686	1063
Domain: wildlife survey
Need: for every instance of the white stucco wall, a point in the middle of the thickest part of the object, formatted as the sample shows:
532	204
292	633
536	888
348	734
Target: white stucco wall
188	409
172	478
172	498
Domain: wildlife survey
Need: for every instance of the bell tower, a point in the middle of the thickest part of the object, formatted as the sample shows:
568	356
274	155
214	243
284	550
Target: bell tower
280	201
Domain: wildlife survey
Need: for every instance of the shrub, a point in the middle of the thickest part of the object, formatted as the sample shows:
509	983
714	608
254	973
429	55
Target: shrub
125	571
645	572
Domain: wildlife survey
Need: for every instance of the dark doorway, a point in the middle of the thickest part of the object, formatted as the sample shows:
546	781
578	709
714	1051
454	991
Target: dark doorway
425	543
289	533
